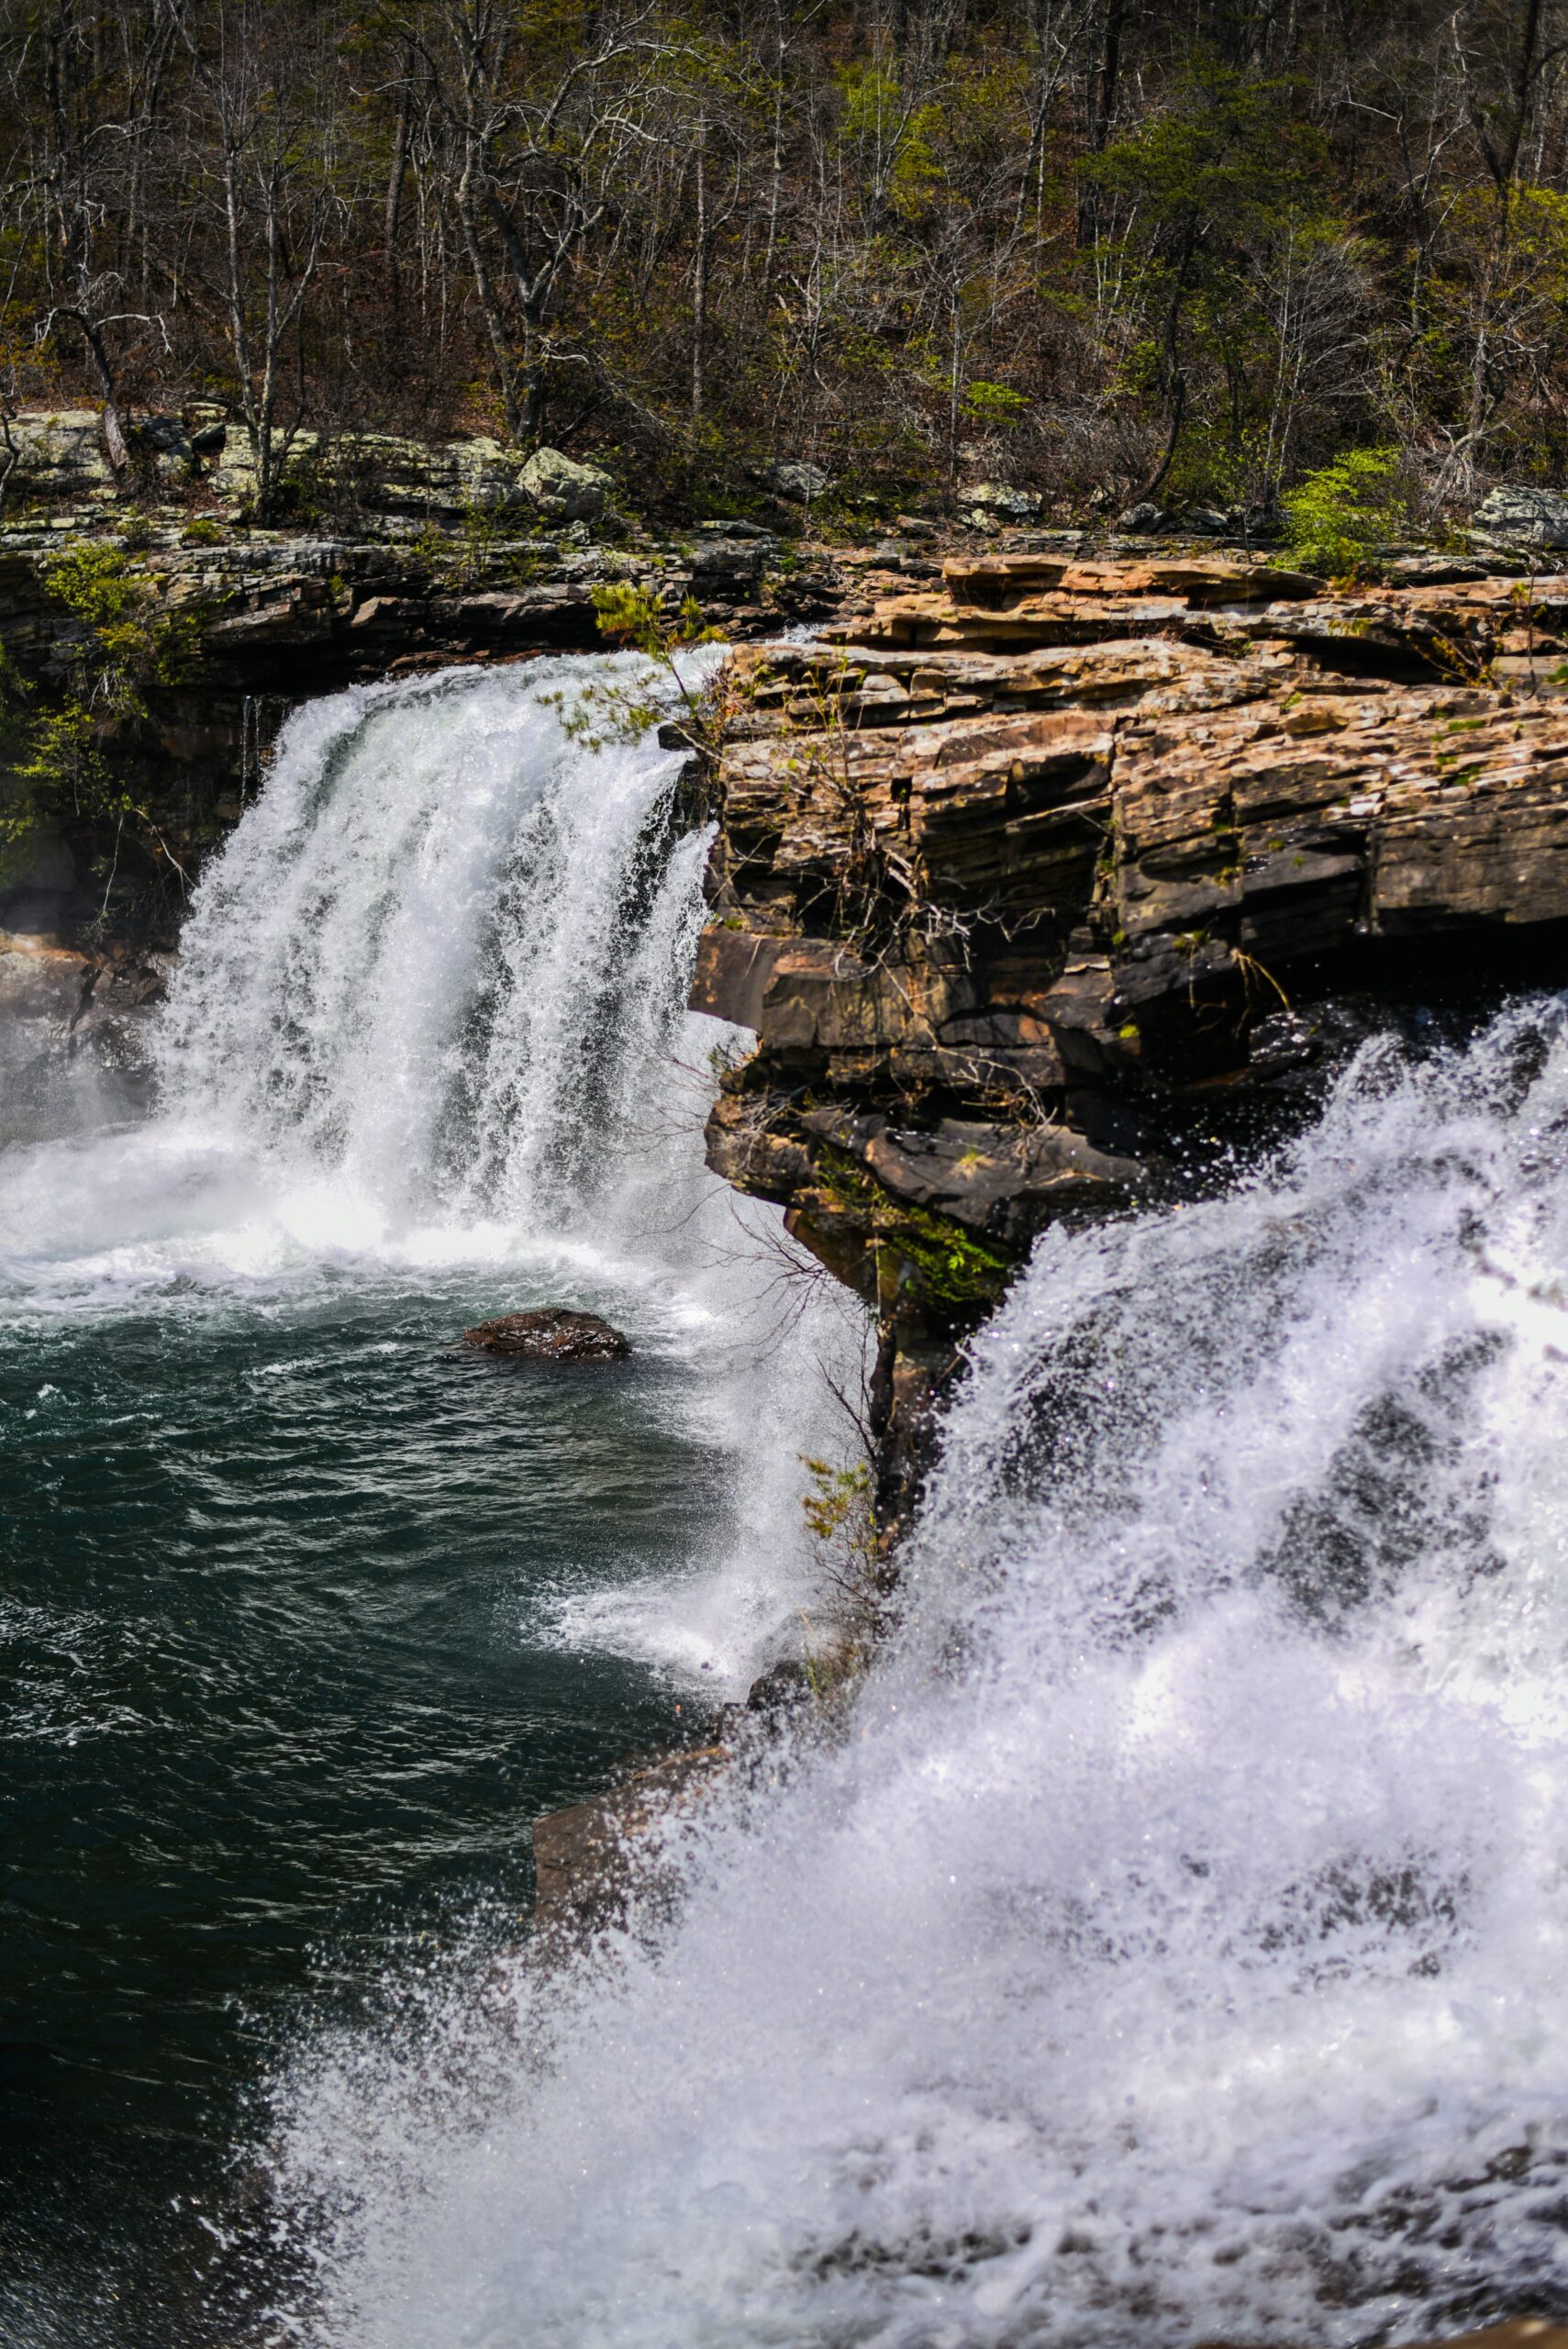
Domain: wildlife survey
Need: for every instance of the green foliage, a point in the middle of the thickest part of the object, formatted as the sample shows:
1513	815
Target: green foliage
850	1573
899	142
16	811
67	768
628	615
95	582
838	1505
604	710
130	646
134	643
942	1264
1344	511
1228	153
994	404
1222	242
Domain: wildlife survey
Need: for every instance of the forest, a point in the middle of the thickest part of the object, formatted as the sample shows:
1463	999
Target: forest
1113	249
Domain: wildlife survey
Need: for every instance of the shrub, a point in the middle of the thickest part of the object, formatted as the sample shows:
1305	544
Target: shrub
1341	515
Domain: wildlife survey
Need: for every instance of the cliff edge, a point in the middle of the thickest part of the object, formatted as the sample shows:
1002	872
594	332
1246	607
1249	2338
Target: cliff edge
1013	872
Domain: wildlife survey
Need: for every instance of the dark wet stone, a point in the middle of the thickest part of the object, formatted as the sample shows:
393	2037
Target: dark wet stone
550	1333
782	1689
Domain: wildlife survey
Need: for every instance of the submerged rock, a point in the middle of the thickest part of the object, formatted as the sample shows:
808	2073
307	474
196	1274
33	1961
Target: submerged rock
550	1333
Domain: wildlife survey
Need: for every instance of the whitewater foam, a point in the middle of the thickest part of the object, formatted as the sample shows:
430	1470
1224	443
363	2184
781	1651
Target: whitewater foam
1175	1944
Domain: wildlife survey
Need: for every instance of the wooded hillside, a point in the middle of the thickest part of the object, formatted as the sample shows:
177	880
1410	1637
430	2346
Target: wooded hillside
1110	248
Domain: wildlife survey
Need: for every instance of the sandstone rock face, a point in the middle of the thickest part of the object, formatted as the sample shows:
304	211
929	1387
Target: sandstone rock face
72	1035
1008	863
550	1333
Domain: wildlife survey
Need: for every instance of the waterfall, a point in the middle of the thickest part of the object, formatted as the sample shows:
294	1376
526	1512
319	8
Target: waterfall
429	1027
442	954
1171	1943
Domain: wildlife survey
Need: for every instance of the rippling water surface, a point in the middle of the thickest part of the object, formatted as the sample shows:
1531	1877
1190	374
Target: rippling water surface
284	1690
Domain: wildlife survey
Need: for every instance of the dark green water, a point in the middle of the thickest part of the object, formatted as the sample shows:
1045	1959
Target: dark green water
283	1697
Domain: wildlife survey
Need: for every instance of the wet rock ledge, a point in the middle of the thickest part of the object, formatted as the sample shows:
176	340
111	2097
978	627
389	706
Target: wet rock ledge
1012	872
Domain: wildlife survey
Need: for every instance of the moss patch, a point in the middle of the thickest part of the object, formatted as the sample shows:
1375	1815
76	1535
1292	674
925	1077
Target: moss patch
945	1264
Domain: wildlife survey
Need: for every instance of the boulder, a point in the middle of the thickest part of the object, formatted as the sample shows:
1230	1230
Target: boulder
164	447
386	473
997	501
1145	519
60	453
564	489
549	1333
207	424
784	1689
798	480
1537	517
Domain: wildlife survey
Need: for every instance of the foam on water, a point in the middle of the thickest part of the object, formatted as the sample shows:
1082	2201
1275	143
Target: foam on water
429	1018
1175	1944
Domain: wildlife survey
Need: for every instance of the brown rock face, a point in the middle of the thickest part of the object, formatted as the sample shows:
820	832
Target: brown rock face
552	1334
999	863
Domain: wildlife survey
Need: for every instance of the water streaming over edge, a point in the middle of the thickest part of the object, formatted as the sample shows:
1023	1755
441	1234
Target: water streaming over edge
429	1015
1175	1944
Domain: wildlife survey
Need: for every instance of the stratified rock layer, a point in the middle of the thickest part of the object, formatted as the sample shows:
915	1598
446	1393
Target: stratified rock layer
998	859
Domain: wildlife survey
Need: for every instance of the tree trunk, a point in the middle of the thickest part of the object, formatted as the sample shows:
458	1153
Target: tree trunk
699	282
394	179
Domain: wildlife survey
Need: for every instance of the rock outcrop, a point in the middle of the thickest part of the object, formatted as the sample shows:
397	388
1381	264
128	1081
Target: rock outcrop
72	1042
1524	518
1011	867
58	455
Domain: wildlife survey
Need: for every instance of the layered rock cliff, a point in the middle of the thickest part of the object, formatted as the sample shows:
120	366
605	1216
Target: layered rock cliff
1014	871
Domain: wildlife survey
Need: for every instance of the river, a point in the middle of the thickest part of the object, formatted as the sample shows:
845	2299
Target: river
1169	1941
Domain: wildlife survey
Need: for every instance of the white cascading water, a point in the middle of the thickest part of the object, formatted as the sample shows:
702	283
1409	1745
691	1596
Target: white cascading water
442	954
1175	1944
430	1019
